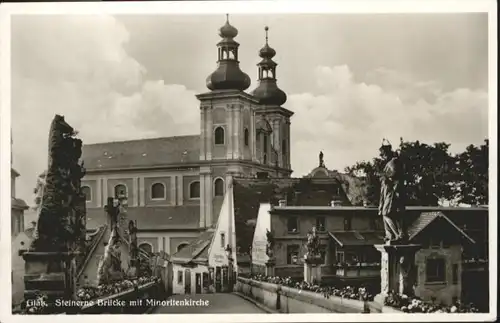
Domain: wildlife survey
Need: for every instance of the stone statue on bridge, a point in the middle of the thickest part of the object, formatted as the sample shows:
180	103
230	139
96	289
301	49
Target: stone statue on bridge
313	244
392	195
270	244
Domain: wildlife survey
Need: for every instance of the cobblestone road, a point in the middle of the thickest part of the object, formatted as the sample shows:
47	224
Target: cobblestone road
214	303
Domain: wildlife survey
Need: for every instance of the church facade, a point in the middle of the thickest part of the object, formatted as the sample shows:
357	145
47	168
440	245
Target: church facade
175	185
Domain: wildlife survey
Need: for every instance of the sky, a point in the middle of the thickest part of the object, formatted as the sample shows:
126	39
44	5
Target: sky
351	79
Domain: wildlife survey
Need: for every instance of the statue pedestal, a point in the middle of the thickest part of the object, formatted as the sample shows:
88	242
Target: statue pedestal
50	273
312	269
270	267
397	264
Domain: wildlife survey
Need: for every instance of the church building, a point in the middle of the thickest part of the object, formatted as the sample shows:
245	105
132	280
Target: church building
175	185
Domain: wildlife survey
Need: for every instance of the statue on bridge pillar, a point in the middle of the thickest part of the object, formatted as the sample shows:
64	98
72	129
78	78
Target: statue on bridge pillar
392	202
397	270
270	253
312	258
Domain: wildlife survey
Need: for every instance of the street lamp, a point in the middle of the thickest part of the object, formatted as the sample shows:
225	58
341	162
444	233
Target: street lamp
229	254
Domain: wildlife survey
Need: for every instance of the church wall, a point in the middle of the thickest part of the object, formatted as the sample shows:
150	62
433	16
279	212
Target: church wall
219	119
92	184
176	241
148	184
186	181
247	149
153	241
131	189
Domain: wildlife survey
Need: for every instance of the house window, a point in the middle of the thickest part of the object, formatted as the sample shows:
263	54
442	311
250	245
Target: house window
455	274
194	190
120	190
293	224
87	192
179	277
222	240
435	270
246	137
158	191
320	223
347	223
219	187
292	252
219	136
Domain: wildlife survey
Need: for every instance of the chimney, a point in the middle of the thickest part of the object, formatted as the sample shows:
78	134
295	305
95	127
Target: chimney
282	203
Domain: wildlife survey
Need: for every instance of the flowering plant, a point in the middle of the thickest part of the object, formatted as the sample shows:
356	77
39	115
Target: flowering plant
86	293
350	292
415	305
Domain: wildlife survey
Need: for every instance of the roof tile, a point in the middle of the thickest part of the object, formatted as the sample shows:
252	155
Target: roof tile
141	153
196	250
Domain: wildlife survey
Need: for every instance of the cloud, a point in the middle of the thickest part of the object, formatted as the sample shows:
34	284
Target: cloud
77	66
347	120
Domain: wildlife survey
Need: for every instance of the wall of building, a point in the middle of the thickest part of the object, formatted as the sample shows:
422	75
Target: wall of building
139	185
445	291
178	287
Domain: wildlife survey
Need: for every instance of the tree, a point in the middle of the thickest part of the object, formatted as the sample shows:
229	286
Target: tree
428	169
472	167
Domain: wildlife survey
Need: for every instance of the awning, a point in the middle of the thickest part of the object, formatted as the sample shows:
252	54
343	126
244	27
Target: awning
356	238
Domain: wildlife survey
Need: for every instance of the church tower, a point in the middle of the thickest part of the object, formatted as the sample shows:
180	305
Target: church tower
273	121
227	140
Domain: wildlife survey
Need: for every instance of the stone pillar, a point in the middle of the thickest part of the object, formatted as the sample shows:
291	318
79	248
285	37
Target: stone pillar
253	136
209	134
52	274
270	264
312	269
397	268
203	130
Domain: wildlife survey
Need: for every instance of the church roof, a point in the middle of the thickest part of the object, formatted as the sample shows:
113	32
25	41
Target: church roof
154	152
185	217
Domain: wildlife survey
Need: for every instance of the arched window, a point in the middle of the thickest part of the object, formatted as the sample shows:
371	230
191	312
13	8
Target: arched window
87	192
194	190
158	191
181	245
120	189
219	187
146	247
247	137
219	136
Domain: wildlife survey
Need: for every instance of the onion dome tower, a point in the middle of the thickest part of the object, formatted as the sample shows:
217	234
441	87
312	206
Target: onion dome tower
267	92
228	75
